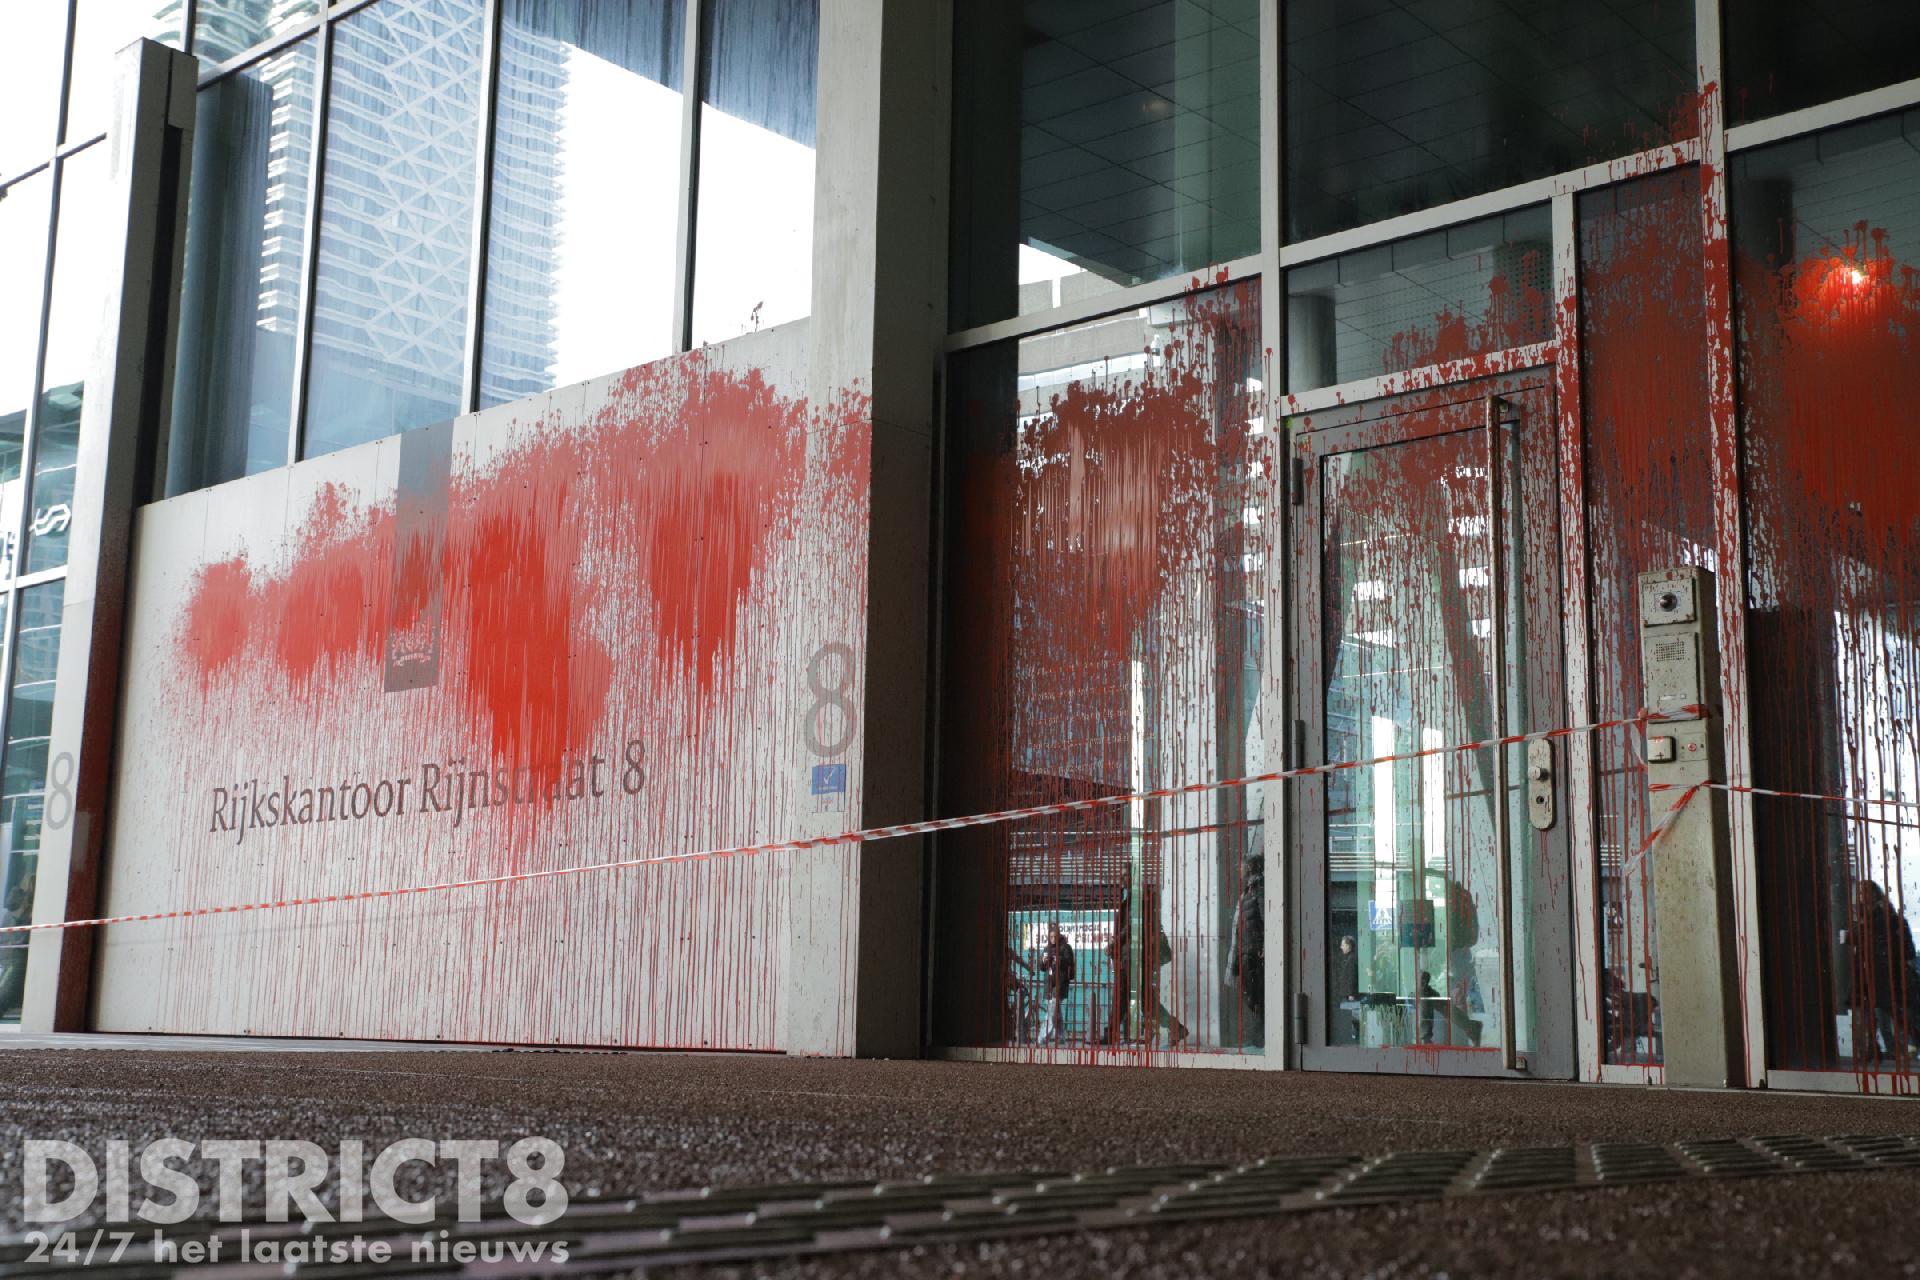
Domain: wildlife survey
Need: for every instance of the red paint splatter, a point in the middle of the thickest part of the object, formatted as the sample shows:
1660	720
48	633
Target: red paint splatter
1844	326
1514	317
705	509
689	475
219	617
531	678
1099	570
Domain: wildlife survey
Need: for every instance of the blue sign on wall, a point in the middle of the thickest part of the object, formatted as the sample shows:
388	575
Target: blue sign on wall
830	779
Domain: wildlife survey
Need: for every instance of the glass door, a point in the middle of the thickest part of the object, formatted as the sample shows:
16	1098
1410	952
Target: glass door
1435	884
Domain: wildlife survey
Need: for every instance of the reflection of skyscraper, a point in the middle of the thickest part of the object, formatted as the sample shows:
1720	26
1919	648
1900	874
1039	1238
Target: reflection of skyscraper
396	233
224	29
525	231
240	308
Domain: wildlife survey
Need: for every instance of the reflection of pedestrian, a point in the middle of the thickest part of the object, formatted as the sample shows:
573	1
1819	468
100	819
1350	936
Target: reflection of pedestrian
1463	930
1056	962
1019	999
1120	951
1886	972
1119	943
1249	965
18	909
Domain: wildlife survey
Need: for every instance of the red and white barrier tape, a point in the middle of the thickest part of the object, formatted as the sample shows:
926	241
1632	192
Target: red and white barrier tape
872	834
1738	789
1659	830
1688	792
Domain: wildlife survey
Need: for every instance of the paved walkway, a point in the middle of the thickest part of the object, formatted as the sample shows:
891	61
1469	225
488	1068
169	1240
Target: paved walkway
637	1122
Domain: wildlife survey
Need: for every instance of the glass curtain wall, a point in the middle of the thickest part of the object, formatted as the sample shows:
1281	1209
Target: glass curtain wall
1099	146
1394	107
1110	504
411	209
53	283
1098	149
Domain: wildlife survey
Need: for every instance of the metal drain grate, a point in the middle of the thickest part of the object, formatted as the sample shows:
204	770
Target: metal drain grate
721	1224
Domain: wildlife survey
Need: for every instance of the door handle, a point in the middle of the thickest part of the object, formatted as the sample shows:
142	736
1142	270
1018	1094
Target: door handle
1540	784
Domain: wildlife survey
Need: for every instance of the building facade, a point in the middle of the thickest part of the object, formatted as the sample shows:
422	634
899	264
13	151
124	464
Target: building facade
501	489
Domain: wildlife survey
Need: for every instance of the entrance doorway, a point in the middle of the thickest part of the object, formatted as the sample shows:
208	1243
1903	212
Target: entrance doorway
1434	889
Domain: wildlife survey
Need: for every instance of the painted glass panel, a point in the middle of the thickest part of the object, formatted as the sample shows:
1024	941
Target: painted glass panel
1106	587
1827	279
1466	291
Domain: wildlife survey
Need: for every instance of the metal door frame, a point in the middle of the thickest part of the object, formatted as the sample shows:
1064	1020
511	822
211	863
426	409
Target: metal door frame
1385	422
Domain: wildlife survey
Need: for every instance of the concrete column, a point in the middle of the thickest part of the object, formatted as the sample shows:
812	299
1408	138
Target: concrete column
879	317
121	462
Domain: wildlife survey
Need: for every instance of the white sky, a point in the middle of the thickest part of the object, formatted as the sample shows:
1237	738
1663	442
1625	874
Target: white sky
613	280
754	246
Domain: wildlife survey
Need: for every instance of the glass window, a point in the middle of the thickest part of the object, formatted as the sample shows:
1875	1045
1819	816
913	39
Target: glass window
1098	146
82	276
23	256
753	242
1826	234
396	222
30	58
1781	57
581	257
240	306
1466	291
223	29
23	777
1394	106
1106	577
101	29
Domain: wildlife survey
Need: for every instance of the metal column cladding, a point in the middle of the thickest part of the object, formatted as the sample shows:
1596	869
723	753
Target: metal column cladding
1692	874
121	450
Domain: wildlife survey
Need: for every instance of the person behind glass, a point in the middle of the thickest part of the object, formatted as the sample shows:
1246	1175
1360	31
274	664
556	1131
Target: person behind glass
1886	966
1248	966
1452	1018
1344	992
1120	950
1119	944
1056	963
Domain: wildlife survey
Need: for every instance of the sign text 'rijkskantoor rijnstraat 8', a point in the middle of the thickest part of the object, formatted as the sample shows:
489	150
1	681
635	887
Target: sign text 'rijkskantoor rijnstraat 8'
227	1180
